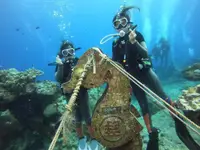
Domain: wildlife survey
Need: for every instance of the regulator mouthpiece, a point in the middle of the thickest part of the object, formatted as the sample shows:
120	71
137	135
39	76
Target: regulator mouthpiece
122	33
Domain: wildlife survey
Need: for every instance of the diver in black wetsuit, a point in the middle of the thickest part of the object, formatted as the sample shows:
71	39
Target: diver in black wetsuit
156	52
164	52
131	51
63	74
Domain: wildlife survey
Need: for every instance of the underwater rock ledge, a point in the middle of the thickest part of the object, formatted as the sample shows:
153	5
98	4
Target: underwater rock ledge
192	72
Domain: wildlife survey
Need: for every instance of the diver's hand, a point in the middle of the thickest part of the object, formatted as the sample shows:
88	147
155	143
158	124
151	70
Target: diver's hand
132	36
58	60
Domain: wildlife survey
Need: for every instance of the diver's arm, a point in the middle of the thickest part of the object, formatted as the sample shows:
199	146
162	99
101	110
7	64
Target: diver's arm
59	73
114	49
136	39
144	45
141	47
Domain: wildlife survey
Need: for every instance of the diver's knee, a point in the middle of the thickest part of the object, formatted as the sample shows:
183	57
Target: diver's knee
88	121
78	124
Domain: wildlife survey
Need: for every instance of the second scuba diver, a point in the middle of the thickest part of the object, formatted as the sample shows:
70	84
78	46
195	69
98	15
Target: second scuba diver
82	113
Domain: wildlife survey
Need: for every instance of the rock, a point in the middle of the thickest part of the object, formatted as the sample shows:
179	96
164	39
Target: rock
46	88
50	110
192	72
189	102
192	96
8	124
30	88
197	72
184	92
6	96
198	88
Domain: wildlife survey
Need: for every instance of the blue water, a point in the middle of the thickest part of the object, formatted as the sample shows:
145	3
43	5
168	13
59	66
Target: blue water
85	22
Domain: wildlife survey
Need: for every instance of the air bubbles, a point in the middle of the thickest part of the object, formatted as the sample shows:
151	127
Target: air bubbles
62	26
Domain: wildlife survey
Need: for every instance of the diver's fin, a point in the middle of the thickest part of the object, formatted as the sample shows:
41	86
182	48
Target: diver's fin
94	145
153	140
82	144
185	136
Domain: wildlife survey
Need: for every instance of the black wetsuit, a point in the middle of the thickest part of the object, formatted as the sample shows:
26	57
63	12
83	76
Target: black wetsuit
156	52
164	53
82	112
123	50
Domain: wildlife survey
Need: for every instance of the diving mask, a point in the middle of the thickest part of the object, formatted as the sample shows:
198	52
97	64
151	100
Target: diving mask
120	23
68	52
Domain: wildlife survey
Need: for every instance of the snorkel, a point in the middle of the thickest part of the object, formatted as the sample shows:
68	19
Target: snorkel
122	24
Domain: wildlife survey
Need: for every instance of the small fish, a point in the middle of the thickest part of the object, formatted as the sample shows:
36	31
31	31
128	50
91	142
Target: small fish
37	27
17	29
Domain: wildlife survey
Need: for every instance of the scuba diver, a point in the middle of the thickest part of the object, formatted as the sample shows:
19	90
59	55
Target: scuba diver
63	73
130	50
161	51
156	52
164	52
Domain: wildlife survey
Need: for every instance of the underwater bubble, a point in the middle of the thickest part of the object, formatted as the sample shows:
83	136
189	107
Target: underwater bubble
55	13
62	26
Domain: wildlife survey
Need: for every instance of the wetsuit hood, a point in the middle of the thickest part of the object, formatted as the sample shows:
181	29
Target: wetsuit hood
124	13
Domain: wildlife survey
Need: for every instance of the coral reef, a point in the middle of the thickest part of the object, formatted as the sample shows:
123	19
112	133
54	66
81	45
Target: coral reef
14	83
32	105
189	102
46	88
192	72
9	127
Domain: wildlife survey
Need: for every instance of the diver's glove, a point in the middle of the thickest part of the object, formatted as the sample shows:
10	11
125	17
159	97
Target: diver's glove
132	36
58	60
